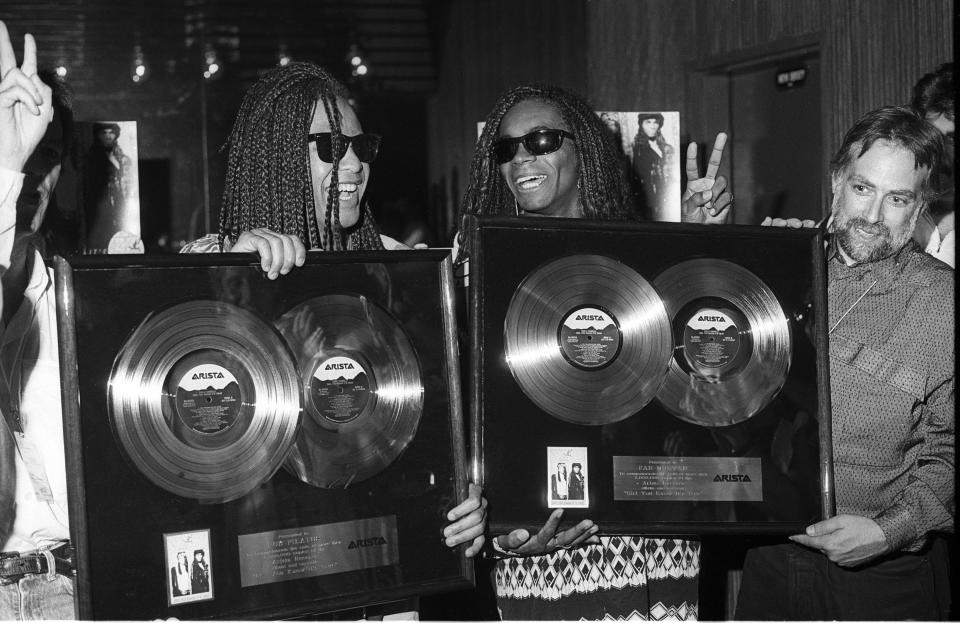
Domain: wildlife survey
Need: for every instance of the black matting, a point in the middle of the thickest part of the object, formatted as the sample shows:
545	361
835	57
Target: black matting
510	434
119	517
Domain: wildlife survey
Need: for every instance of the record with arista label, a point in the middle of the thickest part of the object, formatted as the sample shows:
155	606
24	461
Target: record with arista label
732	342
361	385
206	394
203	399
587	339
340	388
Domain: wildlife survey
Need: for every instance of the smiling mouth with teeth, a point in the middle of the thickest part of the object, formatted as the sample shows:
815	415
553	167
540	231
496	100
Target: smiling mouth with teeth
530	182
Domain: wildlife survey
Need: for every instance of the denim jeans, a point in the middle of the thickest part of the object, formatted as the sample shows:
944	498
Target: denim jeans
36	597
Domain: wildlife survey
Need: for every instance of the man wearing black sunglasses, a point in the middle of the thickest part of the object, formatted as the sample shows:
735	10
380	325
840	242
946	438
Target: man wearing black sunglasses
365	146
537	143
544	152
298	167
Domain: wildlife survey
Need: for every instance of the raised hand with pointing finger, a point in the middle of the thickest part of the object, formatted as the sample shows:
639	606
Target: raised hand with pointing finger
706	199
25	103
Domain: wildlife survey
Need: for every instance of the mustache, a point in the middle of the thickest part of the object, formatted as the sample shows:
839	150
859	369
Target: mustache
871	228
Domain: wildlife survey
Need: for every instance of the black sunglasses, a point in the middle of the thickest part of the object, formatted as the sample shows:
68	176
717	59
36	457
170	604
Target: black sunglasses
364	145
537	143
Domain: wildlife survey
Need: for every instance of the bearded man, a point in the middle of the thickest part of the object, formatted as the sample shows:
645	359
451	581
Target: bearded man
891	323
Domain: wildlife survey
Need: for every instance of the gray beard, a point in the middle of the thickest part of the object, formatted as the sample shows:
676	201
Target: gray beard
861	253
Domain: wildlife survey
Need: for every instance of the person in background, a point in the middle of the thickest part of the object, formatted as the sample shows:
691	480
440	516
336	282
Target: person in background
652	157
544	152
36	572
107	186
611	122
933	98
891	334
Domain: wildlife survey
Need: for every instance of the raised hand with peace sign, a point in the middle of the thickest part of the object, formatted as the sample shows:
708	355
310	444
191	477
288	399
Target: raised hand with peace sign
26	106
706	199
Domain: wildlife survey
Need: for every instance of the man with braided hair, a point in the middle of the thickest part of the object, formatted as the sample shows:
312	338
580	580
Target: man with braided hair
591	186
297	169
543	152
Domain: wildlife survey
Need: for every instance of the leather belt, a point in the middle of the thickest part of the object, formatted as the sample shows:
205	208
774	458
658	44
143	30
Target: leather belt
15	565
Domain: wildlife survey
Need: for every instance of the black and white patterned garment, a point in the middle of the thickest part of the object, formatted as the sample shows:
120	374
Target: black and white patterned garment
622	578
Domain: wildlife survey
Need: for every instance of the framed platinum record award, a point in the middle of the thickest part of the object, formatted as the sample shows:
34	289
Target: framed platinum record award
656	378
245	448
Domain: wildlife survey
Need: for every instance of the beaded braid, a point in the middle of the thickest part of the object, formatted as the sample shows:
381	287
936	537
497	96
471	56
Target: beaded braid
602	189
268	181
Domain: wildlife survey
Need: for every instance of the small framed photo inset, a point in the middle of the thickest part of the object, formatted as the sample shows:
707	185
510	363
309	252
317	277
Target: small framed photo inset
567	477
189	565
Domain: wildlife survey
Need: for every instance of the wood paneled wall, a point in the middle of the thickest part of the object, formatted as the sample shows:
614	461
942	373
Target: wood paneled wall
875	50
637	52
872	52
629	54
490	46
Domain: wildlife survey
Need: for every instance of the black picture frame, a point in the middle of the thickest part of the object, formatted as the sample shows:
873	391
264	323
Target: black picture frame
119	517
511	435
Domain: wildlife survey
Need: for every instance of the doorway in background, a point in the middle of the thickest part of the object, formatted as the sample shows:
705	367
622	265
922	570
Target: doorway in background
775	149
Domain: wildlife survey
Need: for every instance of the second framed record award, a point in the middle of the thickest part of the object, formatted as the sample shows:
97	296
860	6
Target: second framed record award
655	378
239	447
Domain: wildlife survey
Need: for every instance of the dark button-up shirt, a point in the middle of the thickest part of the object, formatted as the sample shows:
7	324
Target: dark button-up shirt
892	377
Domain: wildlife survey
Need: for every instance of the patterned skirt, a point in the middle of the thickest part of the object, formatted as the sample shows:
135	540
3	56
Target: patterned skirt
622	578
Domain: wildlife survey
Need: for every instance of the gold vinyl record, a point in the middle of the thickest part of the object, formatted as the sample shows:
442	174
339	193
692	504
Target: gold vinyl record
361	386
587	339
204	400
732	345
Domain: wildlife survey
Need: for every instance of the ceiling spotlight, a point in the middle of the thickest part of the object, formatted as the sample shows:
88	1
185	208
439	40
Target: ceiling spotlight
138	66
283	57
212	65
61	71
356	61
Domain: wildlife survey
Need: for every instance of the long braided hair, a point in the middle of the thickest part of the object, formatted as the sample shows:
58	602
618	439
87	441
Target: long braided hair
601	186
268	180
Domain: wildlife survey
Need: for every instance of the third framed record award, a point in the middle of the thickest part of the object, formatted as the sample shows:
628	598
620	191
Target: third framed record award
240	447
655	378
